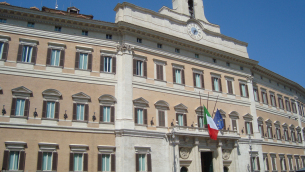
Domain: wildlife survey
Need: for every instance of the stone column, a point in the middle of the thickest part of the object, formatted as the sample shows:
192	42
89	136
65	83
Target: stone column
197	155
219	161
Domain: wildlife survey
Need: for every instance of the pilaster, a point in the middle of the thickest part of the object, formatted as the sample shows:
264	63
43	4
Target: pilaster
256	133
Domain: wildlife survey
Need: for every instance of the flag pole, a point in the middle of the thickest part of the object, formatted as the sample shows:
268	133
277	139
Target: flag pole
215	106
208	102
200	102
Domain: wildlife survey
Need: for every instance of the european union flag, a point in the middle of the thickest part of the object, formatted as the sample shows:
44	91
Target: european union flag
218	120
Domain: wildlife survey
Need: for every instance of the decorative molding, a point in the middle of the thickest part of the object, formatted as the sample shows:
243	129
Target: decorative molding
51	94
81	96
234	115
248	117
79	148
180	108
22	91
162	105
107	99
141	102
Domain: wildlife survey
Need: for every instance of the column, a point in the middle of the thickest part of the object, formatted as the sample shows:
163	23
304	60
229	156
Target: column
219	161
197	155
256	133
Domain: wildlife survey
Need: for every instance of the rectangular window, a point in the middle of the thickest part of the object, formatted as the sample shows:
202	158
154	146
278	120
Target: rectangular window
14	160
47	161
139	68
214	60
292	136
55	57
261	130
198	80
161	118
177	50
273	159
243	90
287	105
255	94
278	133
283	164
107	64
106	114
84	32
142	162
286	134
27	54
50	109
2	20
31	24
197	56
290	164
140	116
20	104
241	68
294	108
281	106
1	49
105	162
108	36
230	87
234	124
269	129
297	163
299	137
249	128
78	162
264	97
57	28
216	84
83	61
200	121
159	72
159	45
228	64
272	98
139	40
180	120
266	165
80	111
178	76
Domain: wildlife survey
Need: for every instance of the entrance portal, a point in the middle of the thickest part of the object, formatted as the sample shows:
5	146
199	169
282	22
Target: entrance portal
183	169
207	161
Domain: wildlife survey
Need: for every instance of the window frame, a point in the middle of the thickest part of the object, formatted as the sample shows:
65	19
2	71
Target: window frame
201	78
4	48
85	32
175	68
218	77
56	46
264	95
106	150
231	80
47	148
14	146
241	84
160	70
146	151
29	43
78	149
86	51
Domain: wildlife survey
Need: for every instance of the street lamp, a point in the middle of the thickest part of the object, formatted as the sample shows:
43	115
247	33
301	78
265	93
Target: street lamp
250	147
173	136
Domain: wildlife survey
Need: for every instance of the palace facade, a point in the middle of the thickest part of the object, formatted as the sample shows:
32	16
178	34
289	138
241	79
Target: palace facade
79	94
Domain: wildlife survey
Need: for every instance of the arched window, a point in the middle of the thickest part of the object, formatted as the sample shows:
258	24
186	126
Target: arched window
234	120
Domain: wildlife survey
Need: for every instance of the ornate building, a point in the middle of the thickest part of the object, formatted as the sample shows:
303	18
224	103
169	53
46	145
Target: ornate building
85	95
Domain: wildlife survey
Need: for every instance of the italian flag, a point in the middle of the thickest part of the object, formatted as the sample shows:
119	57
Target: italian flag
213	130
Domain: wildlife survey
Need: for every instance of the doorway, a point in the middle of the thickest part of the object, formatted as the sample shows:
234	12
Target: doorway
225	169
183	169
206	161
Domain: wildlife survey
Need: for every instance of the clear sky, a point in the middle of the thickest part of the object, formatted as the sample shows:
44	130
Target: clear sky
274	29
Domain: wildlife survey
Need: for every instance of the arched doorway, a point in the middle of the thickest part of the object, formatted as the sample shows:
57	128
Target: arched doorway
183	169
225	169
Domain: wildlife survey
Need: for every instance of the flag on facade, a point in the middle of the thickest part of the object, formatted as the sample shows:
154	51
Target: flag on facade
213	130
218	120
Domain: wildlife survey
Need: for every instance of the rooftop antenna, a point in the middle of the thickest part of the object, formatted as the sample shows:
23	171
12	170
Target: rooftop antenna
56	6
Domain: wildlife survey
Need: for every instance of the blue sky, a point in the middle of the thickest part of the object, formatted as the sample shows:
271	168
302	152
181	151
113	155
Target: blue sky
274	29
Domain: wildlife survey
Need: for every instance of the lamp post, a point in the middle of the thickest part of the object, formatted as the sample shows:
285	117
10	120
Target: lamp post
173	137
250	147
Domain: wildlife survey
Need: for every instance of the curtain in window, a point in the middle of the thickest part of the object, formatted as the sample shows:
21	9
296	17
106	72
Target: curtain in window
141	162
106	162
50	109
83	61
178	76
55	57
198	81
107	64
1	49
248	128
243	90
140	116
180	119
269	133
20	107
14	160
80	112
78	162
27	53
255	95
216	86
47	161
200	121
139	68
264	98
106	114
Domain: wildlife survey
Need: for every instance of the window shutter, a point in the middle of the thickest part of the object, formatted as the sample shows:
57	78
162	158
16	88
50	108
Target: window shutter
57	106
27	107
183	78
177	119
149	162
251	129
158	71
13	108
113	162
275	101
135	115
134	66
85	168
194	79
114	65
22	160
258	165
224	124
5	50
198	123
241	91
161	72
102	64
145	116
44	109
267	163
174	76
99	162
185	119
251	163
213	86
90	62
137	162
77	60
263	97
62	58
161	118
234	127
271	99
220	86
86	112
71	165
267	98
49	53
202	81
101	113
145	68
6	159
34	55
19	55
74	112
247	91
112	114
246	127
271	132
55	161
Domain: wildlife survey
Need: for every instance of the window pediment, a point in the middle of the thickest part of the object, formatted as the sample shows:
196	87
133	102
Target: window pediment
298	128
260	119
51	94
141	102
268	121
291	126
107	99
284	125
248	117
234	115
22	91
199	110
181	108
161	104
81	96
15	145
